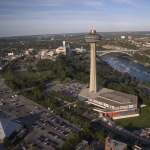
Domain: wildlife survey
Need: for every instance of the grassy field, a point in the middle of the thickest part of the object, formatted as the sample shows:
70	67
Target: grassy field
36	75
139	122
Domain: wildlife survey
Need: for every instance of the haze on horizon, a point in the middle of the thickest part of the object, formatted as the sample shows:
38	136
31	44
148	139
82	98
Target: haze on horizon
33	17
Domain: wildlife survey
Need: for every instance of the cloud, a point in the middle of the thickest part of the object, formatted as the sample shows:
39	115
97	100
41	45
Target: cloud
31	3
93	3
129	2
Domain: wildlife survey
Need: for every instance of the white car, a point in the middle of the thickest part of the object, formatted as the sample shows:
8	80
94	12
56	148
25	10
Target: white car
1	103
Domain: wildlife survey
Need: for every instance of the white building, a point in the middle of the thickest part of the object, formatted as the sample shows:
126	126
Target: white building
31	50
123	37
60	50
80	50
129	37
51	53
26	52
111	103
10	54
146	45
7	128
43	53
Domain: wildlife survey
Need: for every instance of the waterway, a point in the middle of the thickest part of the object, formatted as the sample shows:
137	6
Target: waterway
125	65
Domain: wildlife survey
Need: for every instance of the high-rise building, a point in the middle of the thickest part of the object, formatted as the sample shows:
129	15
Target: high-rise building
92	38
68	50
64	43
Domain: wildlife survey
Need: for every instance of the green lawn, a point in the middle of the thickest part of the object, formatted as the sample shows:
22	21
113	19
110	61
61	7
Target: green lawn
45	73
139	122
34	74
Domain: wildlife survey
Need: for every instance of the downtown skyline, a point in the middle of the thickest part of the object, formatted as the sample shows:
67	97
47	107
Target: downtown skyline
34	17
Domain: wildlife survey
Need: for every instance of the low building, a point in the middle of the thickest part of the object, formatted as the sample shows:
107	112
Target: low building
148	130
129	37
123	37
82	145
146	45
31	50
43	53
111	103
10	54
111	144
26	52
8	128
142	132
61	50
80	50
51	53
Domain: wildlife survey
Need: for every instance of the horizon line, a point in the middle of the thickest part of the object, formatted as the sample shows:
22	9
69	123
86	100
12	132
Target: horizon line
69	33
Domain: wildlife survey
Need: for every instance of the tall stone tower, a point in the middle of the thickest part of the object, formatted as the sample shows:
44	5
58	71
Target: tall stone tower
92	38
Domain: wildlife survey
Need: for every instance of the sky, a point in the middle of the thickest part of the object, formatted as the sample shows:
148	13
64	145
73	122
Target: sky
34	17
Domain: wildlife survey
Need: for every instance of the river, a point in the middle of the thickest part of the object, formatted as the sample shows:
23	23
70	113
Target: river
125	65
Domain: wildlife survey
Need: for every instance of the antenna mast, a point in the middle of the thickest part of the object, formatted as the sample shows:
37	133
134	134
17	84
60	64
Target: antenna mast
92	26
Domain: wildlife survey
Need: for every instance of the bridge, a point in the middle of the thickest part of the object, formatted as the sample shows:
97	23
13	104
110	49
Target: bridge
128	52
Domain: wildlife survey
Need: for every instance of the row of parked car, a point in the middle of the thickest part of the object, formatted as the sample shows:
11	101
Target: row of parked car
61	123
45	122
46	140
37	126
56	136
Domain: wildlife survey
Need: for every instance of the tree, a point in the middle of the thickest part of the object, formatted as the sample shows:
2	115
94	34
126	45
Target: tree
6	142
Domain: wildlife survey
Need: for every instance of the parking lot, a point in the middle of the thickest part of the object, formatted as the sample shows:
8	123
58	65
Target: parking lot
71	88
45	129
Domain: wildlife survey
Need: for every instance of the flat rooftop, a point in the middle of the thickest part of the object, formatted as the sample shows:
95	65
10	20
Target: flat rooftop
110	97
116	144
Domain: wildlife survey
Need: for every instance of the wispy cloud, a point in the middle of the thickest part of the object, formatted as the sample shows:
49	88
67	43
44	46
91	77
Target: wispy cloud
94	3
31	3
129	2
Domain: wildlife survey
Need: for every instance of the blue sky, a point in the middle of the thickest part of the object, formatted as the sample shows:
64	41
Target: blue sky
32	17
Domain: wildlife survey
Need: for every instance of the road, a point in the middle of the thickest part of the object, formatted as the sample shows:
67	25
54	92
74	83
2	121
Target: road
144	88
122	131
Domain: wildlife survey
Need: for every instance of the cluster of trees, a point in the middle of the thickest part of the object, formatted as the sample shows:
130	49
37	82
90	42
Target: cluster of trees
81	107
7	143
141	58
75	137
78	68
146	52
65	69
37	96
14	82
95	131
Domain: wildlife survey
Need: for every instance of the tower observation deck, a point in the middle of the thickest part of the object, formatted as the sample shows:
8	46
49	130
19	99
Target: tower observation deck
92	38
